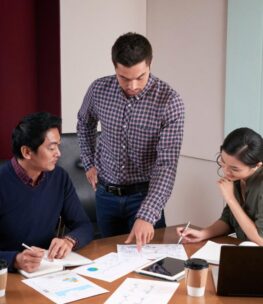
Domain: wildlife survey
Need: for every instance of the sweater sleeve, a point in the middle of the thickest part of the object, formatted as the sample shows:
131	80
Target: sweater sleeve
75	217
9	257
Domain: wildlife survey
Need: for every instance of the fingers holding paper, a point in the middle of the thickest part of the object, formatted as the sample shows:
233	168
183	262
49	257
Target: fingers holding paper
59	248
29	259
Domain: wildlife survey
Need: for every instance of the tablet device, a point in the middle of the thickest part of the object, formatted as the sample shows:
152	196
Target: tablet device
168	268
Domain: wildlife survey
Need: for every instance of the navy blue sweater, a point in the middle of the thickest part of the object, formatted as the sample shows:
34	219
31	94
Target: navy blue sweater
30	214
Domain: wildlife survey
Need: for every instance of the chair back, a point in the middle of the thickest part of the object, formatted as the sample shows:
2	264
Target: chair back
70	161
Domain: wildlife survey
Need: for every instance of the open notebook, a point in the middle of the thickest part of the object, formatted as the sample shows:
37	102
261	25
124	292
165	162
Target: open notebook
46	266
211	251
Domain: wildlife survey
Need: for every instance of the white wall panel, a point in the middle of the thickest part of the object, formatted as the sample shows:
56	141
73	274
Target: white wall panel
189	42
88	31
196	196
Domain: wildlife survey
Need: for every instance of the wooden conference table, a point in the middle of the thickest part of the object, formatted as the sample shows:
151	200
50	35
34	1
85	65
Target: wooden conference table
18	292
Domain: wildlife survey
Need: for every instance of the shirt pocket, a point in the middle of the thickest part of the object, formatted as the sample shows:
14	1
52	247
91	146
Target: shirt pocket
144	137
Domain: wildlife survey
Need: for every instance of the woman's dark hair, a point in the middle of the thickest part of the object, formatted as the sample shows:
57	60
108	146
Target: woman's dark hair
244	144
130	49
31	131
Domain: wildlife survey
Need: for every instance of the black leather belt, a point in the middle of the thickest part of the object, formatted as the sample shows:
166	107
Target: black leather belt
121	190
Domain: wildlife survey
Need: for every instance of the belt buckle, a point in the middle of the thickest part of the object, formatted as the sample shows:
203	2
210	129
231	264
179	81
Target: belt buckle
111	189
119	191
114	190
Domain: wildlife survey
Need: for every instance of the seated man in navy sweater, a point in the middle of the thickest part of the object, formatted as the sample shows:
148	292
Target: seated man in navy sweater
34	193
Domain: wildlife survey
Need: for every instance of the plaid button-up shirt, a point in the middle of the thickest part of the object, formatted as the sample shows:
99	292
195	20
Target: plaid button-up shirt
140	139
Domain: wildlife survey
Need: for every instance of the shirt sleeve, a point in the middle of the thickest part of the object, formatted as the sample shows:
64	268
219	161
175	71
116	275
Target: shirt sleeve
87	129
259	215
75	217
226	216
164	172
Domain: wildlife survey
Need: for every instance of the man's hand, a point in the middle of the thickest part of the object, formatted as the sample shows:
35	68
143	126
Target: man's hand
142	231
92	177
29	260
59	248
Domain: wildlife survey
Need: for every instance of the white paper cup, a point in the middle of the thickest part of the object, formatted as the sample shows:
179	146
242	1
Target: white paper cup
195	277
3	277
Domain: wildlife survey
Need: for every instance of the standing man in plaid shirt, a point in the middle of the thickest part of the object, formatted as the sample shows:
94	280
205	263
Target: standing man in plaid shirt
133	166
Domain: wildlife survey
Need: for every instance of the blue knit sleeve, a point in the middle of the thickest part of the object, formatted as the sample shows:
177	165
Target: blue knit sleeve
9	257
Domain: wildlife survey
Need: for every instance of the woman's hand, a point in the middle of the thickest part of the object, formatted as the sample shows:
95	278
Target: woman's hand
190	235
227	189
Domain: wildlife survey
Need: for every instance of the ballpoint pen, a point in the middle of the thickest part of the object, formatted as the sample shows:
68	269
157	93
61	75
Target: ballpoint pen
181	237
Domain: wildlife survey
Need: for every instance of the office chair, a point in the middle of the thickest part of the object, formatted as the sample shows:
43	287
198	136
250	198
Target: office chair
70	161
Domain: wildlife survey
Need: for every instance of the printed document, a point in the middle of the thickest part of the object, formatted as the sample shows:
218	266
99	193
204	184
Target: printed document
133	291
109	267
64	287
153	251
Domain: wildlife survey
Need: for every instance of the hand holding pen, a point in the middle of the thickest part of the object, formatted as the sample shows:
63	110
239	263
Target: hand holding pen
29	259
181	232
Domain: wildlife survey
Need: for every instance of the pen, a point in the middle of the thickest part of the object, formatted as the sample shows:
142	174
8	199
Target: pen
30	248
27	247
181	237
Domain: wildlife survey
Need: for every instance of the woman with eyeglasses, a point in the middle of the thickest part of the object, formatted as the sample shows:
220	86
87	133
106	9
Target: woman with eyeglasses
241	186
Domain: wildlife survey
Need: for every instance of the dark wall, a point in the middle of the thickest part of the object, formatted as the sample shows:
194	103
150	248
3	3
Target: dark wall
29	63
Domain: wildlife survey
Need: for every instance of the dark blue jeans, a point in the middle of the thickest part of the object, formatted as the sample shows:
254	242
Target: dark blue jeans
116	214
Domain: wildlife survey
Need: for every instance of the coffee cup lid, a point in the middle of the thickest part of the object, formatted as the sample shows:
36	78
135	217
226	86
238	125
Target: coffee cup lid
3	264
196	264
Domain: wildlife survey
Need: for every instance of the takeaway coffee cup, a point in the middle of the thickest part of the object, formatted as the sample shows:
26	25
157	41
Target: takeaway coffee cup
195	276
3	277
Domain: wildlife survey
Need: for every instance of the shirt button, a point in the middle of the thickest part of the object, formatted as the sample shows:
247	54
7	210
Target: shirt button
122	167
124	126
123	146
129	105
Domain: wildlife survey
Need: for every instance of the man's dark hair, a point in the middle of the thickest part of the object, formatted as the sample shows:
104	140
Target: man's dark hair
130	49
244	144
31	131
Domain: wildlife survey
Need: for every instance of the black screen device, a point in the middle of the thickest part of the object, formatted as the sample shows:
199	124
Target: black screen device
168	268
